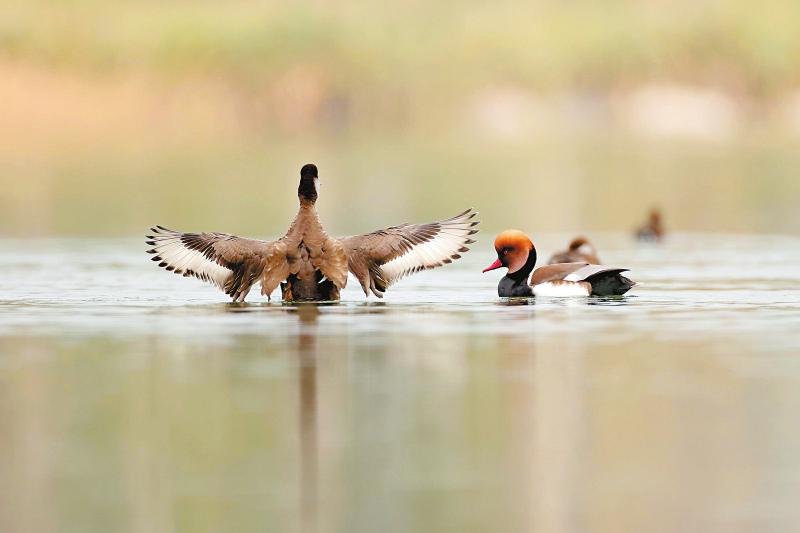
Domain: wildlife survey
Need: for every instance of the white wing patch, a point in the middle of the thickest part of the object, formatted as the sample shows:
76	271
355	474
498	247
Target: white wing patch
561	289
175	256
590	270
443	248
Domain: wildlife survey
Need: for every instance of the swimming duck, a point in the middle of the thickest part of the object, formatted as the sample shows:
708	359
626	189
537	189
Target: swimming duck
516	252
579	250
307	263
653	229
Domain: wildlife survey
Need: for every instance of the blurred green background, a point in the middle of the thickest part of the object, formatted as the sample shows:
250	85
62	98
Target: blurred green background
547	115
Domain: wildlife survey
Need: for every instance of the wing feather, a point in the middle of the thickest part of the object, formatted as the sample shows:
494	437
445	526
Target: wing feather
382	257
588	272
231	263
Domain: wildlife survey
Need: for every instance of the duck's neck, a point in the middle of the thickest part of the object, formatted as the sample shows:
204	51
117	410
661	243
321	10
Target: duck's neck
307	190
523	273
306	214
516	283
305	220
307	204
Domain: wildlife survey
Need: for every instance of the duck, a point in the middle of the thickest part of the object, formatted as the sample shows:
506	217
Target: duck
516	252
579	250
307	263
653	228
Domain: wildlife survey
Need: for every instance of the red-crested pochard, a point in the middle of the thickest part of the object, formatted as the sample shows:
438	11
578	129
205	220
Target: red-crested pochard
580	250
516	252
307	263
653	229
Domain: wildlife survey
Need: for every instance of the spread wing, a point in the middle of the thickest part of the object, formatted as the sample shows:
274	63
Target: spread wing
231	263
382	257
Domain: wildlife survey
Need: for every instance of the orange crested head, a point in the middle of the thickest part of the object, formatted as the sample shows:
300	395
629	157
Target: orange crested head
513	239
513	248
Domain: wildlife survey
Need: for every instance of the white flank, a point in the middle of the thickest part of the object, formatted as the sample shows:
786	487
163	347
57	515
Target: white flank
445	247
171	250
560	289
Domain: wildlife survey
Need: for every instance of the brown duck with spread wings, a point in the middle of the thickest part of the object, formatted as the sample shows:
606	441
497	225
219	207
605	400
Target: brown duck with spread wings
307	263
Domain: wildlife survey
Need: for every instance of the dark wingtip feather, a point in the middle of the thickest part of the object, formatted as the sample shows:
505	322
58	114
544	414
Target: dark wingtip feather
457	216
151	251
156	258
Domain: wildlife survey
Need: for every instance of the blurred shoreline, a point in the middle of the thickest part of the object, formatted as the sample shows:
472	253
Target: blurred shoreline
560	117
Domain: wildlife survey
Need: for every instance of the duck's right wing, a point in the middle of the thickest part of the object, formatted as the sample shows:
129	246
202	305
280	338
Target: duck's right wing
573	272
590	272
555	272
231	263
380	258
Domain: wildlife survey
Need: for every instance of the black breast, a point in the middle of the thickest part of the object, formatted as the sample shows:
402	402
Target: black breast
509	287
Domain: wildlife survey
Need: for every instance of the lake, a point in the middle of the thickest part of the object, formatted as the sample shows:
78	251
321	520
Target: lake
134	400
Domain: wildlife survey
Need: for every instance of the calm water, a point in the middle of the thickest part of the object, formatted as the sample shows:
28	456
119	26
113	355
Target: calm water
136	401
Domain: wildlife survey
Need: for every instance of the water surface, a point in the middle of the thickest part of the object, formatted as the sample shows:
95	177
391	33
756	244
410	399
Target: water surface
136	400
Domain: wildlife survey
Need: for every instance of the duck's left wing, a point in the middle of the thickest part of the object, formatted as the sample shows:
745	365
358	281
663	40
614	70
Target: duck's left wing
382	257
231	263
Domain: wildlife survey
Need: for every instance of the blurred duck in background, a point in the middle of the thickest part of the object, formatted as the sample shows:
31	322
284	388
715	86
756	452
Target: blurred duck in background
307	263
516	252
579	250
653	229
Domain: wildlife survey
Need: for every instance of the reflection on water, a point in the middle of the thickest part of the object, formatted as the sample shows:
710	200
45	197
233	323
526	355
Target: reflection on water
135	401
307	378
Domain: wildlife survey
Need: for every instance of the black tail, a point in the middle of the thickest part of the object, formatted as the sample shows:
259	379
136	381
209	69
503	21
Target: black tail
610	284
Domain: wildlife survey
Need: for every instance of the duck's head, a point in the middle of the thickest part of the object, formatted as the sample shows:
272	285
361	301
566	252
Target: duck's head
309	183
515	251
579	242
654	218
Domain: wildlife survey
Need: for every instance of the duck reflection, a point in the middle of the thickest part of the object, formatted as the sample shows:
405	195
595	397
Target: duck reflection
512	302
307	377
569	301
